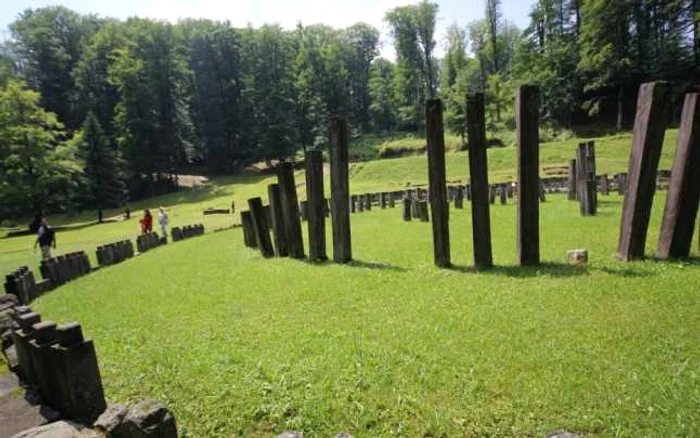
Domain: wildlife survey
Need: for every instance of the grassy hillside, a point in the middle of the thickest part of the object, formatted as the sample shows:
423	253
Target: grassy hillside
186	206
392	346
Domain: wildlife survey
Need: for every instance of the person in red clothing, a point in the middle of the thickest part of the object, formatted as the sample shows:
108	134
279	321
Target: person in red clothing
146	222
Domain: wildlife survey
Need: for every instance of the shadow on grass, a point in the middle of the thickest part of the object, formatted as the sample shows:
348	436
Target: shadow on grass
557	270
57	229
550	269
627	272
544	269
356	264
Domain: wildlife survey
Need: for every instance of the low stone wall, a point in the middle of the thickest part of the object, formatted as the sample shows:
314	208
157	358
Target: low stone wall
114	253
148	241
181	233
59	365
64	268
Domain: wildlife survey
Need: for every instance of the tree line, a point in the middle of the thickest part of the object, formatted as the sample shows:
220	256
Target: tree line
94	111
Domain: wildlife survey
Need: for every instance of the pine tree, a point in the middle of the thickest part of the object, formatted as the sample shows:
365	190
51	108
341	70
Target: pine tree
103	168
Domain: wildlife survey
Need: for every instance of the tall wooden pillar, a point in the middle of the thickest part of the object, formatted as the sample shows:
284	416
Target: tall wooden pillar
649	127
527	122
676	235
478	188
340	190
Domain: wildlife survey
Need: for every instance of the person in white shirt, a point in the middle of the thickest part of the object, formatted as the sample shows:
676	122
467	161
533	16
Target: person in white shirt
163	221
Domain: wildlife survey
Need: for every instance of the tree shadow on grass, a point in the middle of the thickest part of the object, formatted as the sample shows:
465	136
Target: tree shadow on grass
626	272
356	264
514	271
552	269
375	266
549	269
359	264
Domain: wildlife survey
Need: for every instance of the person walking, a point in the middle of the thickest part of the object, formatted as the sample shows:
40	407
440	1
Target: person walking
163	221
46	239
146	222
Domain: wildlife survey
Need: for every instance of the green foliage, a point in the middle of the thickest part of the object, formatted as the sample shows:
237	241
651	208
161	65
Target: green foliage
202	92
152	120
363	41
103	168
215	60
413	29
37	170
321	81
269	91
381	89
49	43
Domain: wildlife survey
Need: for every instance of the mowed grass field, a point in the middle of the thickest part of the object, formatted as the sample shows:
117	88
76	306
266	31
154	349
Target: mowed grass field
390	345
238	345
186	207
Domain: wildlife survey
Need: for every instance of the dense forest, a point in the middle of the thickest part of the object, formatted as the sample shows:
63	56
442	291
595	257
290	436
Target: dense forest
95	111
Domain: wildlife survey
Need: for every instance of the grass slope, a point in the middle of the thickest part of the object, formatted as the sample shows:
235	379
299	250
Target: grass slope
185	207
392	346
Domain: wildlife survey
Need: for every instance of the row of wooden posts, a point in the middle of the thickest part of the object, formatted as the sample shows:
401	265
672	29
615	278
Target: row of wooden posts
282	218
638	185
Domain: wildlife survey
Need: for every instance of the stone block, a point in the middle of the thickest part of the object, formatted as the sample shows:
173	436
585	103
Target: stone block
577	256
78	375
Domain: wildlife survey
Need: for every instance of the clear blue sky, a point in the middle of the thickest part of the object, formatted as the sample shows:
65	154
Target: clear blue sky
336	13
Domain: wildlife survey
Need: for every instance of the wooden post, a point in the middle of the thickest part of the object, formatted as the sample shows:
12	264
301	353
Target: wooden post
604	186
571	185
423	213
527	123
649	127
676	235
592	180
435	137
277	220
340	189
502	194
621	183
407	209
542	192
459	197
492	194
248	231
290	209
353	203
316	206
262	233
585	185
478	189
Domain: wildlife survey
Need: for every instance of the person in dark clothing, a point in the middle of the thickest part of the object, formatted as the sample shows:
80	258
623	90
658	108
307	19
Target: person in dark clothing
46	239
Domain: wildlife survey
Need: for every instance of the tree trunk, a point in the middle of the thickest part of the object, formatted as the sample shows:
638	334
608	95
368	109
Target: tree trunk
99	215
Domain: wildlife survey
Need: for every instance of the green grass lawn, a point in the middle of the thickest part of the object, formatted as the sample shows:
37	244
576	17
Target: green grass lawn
392	346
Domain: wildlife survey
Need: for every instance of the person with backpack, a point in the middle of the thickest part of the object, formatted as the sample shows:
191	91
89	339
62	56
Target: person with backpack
46	239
